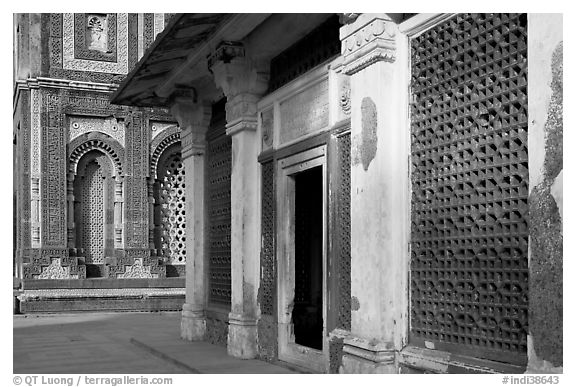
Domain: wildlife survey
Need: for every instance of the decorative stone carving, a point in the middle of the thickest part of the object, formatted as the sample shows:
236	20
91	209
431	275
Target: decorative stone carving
225	52
304	113
35	139
97	37
241	81
267	122
137	270
95	140
55	271
368	44
193	118
157	127
111	126
160	144
70	62
345	102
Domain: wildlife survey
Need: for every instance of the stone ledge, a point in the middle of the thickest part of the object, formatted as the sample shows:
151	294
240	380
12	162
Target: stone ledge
435	361
83	300
103	283
45	294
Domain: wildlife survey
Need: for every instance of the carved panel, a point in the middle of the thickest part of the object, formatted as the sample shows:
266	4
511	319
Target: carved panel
304	113
148	30
70	61
469	277
135	183
172	213
53	166
218	180
267	256
35	137
95	37
110	125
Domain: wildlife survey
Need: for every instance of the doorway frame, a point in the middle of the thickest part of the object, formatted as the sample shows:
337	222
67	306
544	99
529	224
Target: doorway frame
288	349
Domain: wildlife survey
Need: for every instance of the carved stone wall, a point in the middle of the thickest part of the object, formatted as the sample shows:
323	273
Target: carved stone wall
71	55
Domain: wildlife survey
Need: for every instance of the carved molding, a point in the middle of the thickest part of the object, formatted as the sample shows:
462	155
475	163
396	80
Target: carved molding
368	44
91	141
110	126
69	62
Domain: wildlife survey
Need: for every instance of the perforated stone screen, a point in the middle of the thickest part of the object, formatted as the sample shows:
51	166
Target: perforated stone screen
92	214
218	173
173	213
469	276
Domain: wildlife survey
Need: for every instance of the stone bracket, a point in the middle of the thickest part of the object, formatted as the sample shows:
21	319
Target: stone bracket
368	44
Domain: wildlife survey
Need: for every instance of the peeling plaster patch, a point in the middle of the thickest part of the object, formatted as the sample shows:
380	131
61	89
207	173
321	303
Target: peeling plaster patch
553	159
368	145
557	193
354	303
545	281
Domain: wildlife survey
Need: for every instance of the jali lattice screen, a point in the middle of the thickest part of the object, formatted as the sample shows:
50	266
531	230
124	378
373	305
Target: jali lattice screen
173	215
218	173
469	277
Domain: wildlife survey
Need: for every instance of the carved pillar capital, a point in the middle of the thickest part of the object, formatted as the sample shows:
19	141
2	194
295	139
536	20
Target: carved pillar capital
367	39
242	81
193	116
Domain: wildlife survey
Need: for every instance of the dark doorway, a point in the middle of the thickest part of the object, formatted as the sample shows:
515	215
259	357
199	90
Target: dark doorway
307	311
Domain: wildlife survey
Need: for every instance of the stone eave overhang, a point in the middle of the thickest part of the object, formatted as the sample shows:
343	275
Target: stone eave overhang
177	57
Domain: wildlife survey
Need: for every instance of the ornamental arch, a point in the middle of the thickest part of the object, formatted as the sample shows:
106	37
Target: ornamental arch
95	200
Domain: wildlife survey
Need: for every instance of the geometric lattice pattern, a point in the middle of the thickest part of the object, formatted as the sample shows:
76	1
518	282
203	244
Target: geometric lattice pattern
469	275
343	230
173	219
92	214
267	260
218	180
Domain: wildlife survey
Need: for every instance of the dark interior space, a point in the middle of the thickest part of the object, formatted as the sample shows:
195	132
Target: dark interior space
307	312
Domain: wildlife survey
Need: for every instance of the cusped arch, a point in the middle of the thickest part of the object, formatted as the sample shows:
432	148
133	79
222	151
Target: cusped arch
95	141
167	138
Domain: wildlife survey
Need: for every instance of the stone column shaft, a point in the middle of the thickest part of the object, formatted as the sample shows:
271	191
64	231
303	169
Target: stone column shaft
243	85
193	118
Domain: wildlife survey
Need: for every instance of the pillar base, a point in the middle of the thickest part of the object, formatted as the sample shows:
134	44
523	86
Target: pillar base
193	324
242	337
367	357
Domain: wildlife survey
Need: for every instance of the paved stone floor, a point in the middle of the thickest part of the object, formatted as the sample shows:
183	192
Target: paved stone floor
119	343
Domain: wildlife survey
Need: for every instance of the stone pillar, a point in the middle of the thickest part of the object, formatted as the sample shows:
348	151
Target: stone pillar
118	211
71	223
151	224
545	134
243	85
193	118
376	58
